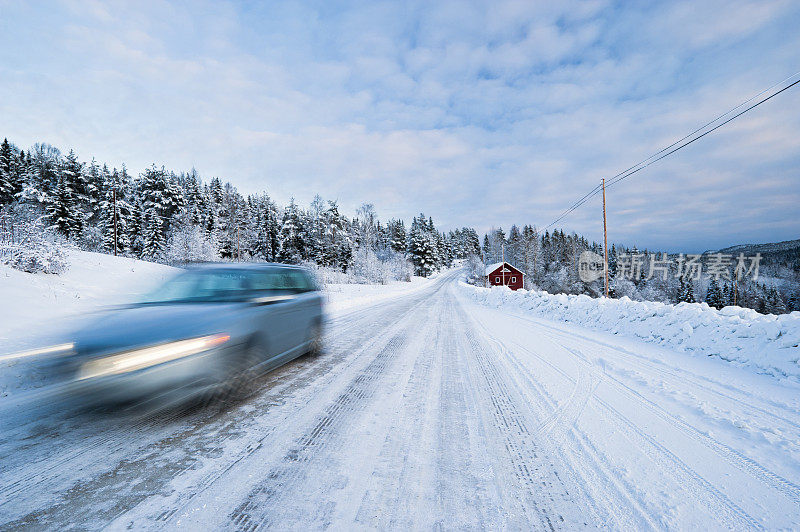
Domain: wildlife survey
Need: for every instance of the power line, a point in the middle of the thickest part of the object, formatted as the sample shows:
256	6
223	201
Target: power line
723	115
575	205
706	133
657	156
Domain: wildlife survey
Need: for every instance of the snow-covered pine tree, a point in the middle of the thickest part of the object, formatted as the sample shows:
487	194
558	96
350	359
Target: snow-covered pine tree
398	237
290	238
153	238
316	231
793	304
497	240
686	290
714	295
72	172
774	302
161	192
10	182
136	227
195	200
338	249
726	294
473	242
384	239
62	211
94	178
612	261
114	204
514	247
44	169
270	228
422	247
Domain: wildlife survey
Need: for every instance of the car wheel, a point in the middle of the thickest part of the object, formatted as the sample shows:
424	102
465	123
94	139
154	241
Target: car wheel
243	376
315	348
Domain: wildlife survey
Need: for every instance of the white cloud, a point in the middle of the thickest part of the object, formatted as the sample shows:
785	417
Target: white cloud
476	113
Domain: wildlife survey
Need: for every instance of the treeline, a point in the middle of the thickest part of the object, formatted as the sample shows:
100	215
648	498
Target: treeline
47	199
161	215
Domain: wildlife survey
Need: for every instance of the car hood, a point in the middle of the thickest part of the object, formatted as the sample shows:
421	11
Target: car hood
140	325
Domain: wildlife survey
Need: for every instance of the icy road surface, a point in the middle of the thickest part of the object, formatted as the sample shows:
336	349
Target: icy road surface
427	412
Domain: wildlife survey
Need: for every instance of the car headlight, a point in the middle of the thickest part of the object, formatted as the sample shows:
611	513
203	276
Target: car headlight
149	356
53	350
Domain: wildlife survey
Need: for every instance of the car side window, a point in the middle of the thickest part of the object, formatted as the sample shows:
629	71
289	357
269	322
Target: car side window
298	281
286	280
266	281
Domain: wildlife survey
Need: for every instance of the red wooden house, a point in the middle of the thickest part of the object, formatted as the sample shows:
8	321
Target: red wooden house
504	274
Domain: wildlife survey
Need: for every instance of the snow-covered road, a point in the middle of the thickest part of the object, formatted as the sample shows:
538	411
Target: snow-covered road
430	411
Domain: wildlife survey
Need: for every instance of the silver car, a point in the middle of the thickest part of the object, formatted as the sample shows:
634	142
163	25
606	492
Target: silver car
210	329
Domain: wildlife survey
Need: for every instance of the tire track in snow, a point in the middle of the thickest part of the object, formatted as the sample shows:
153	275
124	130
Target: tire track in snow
669	373
327	434
249	515
590	472
463	445
733	515
380	505
733	457
531	467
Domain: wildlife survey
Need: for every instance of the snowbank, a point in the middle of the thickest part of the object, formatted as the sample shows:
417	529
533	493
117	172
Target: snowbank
92	280
768	343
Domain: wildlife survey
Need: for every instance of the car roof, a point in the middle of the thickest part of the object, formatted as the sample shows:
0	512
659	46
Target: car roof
243	266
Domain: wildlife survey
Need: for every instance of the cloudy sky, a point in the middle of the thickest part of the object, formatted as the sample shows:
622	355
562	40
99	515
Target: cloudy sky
477	113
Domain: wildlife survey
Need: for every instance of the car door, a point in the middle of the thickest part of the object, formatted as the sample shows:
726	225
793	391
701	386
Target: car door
297	307
273	310
308	308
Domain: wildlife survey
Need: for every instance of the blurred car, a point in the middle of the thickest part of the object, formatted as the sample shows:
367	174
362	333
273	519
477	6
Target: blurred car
208	330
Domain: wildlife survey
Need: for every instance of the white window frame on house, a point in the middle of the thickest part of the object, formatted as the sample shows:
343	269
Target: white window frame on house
513	279
497	279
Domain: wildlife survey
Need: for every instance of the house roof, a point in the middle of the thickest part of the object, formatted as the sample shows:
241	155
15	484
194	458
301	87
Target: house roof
492	267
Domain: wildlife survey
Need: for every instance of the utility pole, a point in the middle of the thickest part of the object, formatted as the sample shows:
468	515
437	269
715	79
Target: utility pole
114	203
238	251
605	238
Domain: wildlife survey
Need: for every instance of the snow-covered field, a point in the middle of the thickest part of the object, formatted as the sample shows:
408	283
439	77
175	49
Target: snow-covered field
438	406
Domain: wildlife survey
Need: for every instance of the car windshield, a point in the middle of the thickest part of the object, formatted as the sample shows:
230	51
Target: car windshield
225	285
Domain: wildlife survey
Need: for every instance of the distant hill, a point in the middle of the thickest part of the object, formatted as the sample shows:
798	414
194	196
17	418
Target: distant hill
785	253
752	249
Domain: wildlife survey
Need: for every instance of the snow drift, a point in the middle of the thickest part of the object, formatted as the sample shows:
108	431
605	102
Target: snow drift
767	343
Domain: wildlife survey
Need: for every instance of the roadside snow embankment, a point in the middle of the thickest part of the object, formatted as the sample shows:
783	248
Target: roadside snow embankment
30	301
767	343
